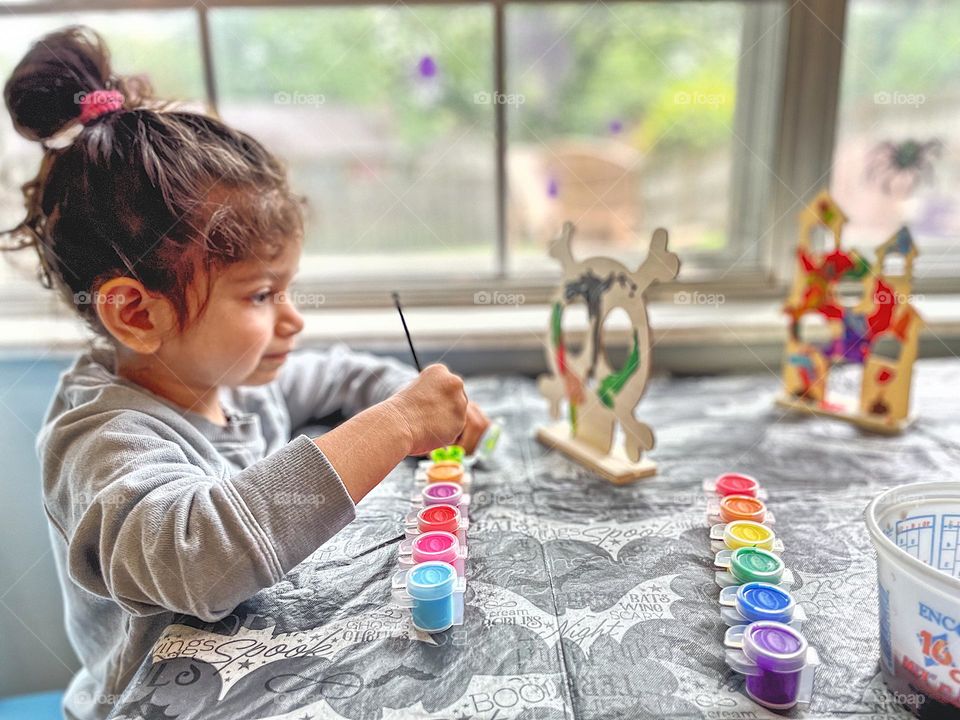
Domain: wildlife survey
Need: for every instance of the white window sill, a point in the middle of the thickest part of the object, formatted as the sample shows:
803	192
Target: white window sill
687	338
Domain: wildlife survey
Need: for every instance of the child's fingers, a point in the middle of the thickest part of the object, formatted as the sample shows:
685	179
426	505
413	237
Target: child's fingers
477	423
482	420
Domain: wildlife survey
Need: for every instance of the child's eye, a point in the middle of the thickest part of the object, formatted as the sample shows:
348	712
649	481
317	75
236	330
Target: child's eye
261	297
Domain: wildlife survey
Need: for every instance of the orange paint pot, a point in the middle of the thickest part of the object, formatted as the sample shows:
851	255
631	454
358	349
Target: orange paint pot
445	471
742	507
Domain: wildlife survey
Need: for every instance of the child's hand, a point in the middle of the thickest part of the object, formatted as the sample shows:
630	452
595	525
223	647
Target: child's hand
477	424
434	407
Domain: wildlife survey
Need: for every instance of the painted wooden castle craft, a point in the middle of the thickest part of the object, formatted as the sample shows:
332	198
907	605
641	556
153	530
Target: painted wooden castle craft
600	398
884	313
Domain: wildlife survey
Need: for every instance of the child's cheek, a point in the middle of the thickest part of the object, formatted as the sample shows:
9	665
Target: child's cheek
257	330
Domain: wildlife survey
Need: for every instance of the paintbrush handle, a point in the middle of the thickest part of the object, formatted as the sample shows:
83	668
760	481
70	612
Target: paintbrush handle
416	360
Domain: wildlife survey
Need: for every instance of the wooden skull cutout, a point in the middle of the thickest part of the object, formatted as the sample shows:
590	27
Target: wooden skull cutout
599	396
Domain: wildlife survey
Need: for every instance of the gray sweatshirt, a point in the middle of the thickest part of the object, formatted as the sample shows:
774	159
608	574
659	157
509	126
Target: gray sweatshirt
156	513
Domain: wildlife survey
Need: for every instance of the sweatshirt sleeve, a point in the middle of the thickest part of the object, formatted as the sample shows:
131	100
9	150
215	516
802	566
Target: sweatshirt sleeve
152	530
315	384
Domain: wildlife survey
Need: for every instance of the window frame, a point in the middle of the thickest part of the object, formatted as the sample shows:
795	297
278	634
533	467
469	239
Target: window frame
800	147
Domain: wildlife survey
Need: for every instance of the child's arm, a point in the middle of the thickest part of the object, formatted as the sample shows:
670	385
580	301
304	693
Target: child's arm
425	414
315	383
150	522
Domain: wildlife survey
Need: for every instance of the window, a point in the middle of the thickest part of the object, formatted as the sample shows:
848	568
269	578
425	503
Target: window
440	145
622	118
374	110
897	155
140	42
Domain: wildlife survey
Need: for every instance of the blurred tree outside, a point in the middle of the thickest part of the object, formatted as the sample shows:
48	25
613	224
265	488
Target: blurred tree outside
658	77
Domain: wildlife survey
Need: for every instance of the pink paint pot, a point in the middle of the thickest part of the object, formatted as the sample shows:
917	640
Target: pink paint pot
435	546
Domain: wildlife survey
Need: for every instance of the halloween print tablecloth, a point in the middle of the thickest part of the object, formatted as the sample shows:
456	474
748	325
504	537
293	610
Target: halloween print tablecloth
584	600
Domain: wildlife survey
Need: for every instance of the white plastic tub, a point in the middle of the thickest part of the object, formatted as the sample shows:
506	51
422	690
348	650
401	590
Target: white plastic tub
916	531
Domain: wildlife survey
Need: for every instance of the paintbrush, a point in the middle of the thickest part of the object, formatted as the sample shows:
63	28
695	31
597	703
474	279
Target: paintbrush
416	360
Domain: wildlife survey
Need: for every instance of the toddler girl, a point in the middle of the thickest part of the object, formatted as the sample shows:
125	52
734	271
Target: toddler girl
167	449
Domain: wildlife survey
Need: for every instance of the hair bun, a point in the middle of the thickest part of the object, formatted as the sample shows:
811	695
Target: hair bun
44	91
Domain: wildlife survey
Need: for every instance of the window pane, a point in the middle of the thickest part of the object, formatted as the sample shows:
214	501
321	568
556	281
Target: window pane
139	42
622	119
897	157
373	109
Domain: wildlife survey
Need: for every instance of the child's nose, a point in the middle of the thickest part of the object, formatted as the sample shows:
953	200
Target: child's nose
290	320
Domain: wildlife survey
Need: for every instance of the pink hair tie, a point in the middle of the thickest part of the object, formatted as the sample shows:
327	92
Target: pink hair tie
97	102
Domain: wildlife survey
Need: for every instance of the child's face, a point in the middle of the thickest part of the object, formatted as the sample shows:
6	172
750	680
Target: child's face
247	328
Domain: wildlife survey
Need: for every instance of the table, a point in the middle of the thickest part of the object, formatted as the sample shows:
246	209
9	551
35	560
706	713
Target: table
584	600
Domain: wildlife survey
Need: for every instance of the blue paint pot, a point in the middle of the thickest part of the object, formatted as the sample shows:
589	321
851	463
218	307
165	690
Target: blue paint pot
431	586
763	601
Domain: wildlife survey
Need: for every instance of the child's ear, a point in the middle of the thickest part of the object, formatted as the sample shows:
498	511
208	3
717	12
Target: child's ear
135	317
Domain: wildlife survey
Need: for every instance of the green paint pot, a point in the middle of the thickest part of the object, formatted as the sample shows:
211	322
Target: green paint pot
751	564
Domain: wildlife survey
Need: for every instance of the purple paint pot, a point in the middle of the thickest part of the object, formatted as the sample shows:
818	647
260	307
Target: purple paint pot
776	660
442	493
